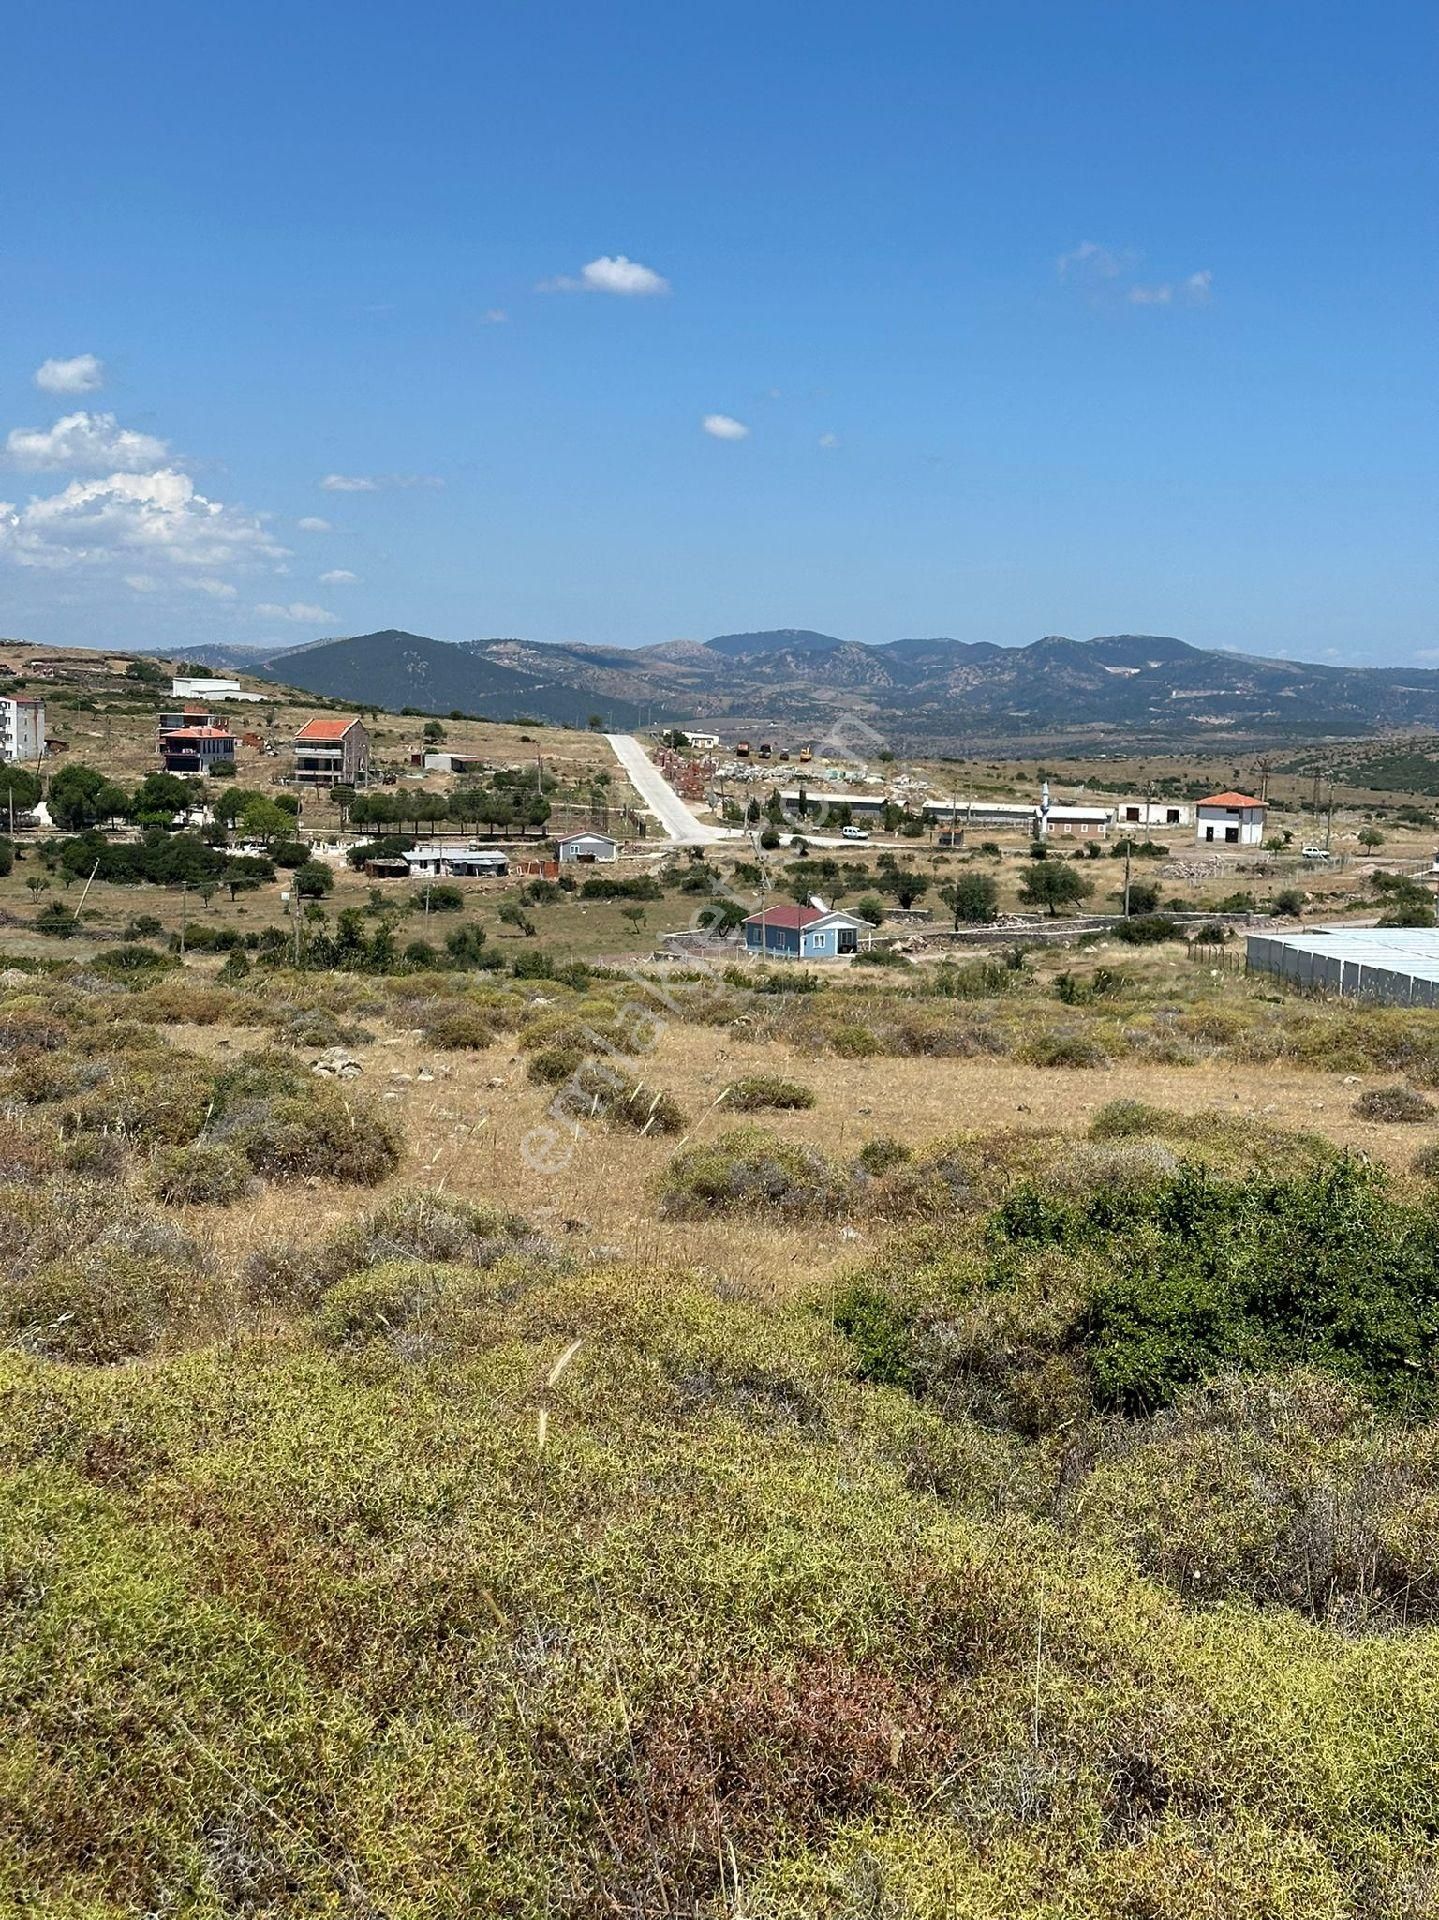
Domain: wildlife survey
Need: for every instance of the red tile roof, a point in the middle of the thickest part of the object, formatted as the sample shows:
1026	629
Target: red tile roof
792	917
199	733
326	729
1231	799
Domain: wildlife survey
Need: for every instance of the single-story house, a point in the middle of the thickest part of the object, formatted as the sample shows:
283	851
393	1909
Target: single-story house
587	847
1076	819
461	863
805	933
1153	813
1237	819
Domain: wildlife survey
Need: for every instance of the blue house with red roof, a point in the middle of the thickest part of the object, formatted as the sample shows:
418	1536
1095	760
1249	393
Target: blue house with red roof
805	933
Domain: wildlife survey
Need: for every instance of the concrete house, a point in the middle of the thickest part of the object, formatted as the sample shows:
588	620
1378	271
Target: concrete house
1153	813
332	753
805	933
196	749
22	728
1233	819
587	848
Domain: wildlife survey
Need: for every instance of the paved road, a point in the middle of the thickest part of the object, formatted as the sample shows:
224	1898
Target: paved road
659	796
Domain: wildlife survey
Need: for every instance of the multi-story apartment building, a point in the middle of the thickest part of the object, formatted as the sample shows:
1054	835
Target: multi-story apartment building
22	728
332	753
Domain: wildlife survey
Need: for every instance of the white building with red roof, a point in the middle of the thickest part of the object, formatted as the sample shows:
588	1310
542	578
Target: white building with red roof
1230	819
332	752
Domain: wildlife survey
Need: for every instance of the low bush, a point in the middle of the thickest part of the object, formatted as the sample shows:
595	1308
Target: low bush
1063	1047
201	1175
757	1091
1395	1105
882	1155
746	1168
90	1275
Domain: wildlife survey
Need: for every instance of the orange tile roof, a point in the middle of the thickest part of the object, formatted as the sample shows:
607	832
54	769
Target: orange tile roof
325	729
1230	799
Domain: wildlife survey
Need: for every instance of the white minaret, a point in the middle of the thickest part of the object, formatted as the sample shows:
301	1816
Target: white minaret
1044	810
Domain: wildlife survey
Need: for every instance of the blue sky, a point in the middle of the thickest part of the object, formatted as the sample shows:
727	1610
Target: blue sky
1037	318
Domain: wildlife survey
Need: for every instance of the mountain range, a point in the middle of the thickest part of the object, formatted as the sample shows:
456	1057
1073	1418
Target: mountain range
1116	690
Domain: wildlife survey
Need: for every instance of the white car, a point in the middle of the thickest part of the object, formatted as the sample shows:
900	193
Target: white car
1316	853
853	833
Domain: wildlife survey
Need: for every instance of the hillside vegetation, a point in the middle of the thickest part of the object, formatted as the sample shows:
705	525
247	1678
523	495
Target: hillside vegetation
1004	1520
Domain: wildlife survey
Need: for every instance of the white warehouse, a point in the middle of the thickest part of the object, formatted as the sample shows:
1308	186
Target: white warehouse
1396	965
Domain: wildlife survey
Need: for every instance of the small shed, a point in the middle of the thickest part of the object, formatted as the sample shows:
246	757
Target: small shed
805	933
1234	819
461	863
587	848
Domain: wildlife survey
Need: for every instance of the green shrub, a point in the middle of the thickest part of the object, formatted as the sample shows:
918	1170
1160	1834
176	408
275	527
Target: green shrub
199	1175
91	1275
746	1168
882	1155
1063	1047
851	1041
754	1092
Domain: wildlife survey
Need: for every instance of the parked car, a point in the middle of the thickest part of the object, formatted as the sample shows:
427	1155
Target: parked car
853	833
1316	853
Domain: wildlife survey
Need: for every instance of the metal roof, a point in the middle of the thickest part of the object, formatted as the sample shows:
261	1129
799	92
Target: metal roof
1405	949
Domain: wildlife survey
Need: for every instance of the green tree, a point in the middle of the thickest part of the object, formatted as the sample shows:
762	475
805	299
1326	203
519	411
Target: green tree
314	880
1052	884
1370	837
973	899
871	908
432	732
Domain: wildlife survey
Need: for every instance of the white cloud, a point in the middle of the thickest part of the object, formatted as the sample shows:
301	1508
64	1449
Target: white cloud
142	583
312	523
720	426
376	482
85	443
1105	274
493	317
1091	261
338	577
134	516
829	441
298	610
611	273
217	589
83	374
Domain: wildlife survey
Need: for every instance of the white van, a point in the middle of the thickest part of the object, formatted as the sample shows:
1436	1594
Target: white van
853	833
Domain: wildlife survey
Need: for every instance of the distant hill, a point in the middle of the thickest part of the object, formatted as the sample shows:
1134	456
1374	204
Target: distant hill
393	669
1135	691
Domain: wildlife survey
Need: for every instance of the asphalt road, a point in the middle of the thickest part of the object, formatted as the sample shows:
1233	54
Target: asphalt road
680	825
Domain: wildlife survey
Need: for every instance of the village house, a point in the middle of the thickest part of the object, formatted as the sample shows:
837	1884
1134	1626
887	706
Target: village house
1076	819
332	753
469	863
1153	813
196	749
1236	819
587	848
805	933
